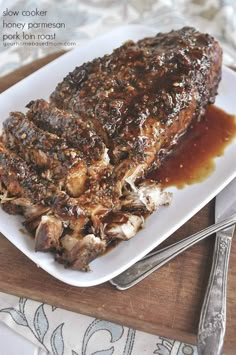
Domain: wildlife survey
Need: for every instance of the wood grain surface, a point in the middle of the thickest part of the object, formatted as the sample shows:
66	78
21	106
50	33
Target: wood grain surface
167	303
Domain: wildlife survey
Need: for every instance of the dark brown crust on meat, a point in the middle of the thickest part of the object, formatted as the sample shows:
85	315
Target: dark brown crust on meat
156	79
77	132
21	180
21	134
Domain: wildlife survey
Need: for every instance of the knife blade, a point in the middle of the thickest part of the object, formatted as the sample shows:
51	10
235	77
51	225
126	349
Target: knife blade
212	324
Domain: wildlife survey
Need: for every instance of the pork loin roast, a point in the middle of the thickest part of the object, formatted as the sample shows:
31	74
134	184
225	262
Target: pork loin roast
75	166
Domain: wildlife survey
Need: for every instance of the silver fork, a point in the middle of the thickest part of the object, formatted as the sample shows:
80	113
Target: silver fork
155	260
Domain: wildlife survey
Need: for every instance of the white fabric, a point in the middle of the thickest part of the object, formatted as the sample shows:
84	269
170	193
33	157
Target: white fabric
85	19
62	332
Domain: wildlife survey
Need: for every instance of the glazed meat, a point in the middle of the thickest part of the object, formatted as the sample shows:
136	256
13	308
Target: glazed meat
46	151
77	132
144	95
85	154
20	180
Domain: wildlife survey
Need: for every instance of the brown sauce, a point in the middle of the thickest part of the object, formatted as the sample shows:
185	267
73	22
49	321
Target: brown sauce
192	160
112	245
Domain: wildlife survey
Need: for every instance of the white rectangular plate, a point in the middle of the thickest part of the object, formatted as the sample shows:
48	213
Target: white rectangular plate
159	225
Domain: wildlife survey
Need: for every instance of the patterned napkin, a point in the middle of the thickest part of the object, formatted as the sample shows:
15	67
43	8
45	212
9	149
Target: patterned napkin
62	332
55	330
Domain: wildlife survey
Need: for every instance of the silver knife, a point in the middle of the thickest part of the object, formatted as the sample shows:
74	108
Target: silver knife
212	322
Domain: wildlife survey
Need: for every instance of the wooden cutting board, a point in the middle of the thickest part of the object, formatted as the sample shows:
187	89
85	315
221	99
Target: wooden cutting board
167	303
